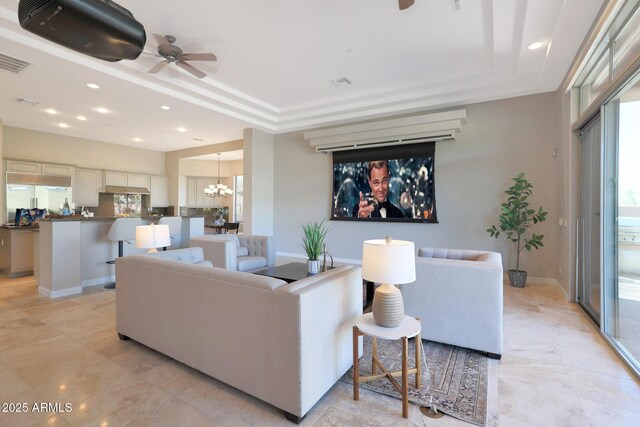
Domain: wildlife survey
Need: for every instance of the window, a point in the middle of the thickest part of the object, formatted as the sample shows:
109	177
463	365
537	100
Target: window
612	54
127	205
237	198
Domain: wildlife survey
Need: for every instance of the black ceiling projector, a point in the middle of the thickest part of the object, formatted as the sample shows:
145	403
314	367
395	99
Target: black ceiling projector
98	28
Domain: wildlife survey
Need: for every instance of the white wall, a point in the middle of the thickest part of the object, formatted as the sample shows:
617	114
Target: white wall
177	187
258	215
2	187
190	167
500	139
53	148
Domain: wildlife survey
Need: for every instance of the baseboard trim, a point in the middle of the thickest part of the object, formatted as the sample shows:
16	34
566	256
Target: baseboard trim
61	293
544	281
98	281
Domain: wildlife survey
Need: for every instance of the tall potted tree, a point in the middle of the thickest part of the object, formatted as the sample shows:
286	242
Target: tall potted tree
516	217
313	235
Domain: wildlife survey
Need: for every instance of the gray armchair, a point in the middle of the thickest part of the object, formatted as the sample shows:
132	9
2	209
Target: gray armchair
458	297
241	252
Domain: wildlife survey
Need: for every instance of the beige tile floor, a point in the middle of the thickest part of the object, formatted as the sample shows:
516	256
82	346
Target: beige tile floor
556	371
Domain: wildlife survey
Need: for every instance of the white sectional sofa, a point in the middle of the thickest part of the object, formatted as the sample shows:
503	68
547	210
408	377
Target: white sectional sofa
286	344
241	252
188	255
458	297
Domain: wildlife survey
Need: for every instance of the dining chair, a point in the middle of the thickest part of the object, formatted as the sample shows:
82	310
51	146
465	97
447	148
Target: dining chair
231	226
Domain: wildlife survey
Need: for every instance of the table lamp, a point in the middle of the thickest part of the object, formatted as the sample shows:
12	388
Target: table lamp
152	237
388	262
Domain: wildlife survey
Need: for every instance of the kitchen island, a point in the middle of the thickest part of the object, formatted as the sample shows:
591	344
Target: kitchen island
72	252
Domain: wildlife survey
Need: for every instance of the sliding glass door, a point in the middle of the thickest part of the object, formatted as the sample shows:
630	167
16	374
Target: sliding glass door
589	221
621	221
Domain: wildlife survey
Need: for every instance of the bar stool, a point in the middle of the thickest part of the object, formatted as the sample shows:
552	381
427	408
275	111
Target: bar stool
175	229
122	229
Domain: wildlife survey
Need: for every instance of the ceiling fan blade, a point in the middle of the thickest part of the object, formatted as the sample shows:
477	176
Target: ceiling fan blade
159	66
199	57
159	39
404	4
190	68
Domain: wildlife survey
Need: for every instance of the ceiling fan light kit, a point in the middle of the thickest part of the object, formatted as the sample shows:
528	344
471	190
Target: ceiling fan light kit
174	54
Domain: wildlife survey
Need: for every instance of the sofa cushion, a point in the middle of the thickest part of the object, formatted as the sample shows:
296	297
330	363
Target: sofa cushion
455	254
242	251
189	255
204	263
246	263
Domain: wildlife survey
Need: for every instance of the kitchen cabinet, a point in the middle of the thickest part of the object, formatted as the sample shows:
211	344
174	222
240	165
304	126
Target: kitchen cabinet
86	187
23	167
64	170
124	179
159	191
195	192
137	180
16	251
115	178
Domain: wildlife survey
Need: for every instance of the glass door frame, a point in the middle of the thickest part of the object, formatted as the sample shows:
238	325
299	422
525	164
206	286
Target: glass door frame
609	325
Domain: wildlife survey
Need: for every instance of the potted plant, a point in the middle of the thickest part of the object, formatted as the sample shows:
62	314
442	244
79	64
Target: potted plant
313	234
516	217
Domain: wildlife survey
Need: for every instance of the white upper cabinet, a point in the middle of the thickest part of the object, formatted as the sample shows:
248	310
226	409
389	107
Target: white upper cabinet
137	180
115	178
86	187
159	191
23	167
64	170
124	179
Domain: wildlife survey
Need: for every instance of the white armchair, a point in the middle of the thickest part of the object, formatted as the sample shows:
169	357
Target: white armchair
238	252
458	297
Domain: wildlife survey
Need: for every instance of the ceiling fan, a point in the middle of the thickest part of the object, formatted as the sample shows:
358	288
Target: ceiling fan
405	4
172	53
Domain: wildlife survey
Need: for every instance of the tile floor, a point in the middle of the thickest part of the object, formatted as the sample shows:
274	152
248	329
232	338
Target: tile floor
556	371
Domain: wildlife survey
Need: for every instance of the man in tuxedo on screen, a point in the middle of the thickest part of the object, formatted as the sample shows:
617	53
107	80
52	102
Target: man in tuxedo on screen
380	206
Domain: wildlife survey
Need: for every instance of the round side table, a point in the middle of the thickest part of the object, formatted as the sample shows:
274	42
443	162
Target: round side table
410	327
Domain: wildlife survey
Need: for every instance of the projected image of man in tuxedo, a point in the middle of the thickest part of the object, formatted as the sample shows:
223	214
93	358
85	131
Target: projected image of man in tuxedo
377	205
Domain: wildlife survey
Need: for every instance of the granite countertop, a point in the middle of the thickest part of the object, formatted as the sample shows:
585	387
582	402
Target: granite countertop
106	218
21	227
79	218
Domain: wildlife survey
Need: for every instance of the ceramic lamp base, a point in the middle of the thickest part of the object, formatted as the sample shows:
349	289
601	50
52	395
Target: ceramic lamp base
388	306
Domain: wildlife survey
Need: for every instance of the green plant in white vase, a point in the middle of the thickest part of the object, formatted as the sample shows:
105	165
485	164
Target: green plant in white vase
516	217
313	235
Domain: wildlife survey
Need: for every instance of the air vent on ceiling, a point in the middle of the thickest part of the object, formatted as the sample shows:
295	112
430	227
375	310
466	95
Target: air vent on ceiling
12	64
342	81
27	101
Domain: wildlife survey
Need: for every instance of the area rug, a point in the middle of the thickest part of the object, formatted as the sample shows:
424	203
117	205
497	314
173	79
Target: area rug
455	379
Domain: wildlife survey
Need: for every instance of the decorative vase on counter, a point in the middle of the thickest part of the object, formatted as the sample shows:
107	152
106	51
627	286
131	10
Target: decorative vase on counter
314	266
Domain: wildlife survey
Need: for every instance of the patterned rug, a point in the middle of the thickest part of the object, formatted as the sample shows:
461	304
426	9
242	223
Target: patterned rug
455	379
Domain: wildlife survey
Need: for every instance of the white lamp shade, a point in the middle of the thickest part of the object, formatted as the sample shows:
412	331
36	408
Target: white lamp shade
152	236
388	261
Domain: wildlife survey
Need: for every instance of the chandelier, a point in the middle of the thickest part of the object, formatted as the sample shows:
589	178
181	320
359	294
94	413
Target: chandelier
218	190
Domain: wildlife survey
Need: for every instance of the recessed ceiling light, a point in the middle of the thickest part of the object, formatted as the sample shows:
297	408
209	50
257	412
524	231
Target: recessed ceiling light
63	125
51	111
165	107
102	110
93	86
181	129
536	45
81	118
136	139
